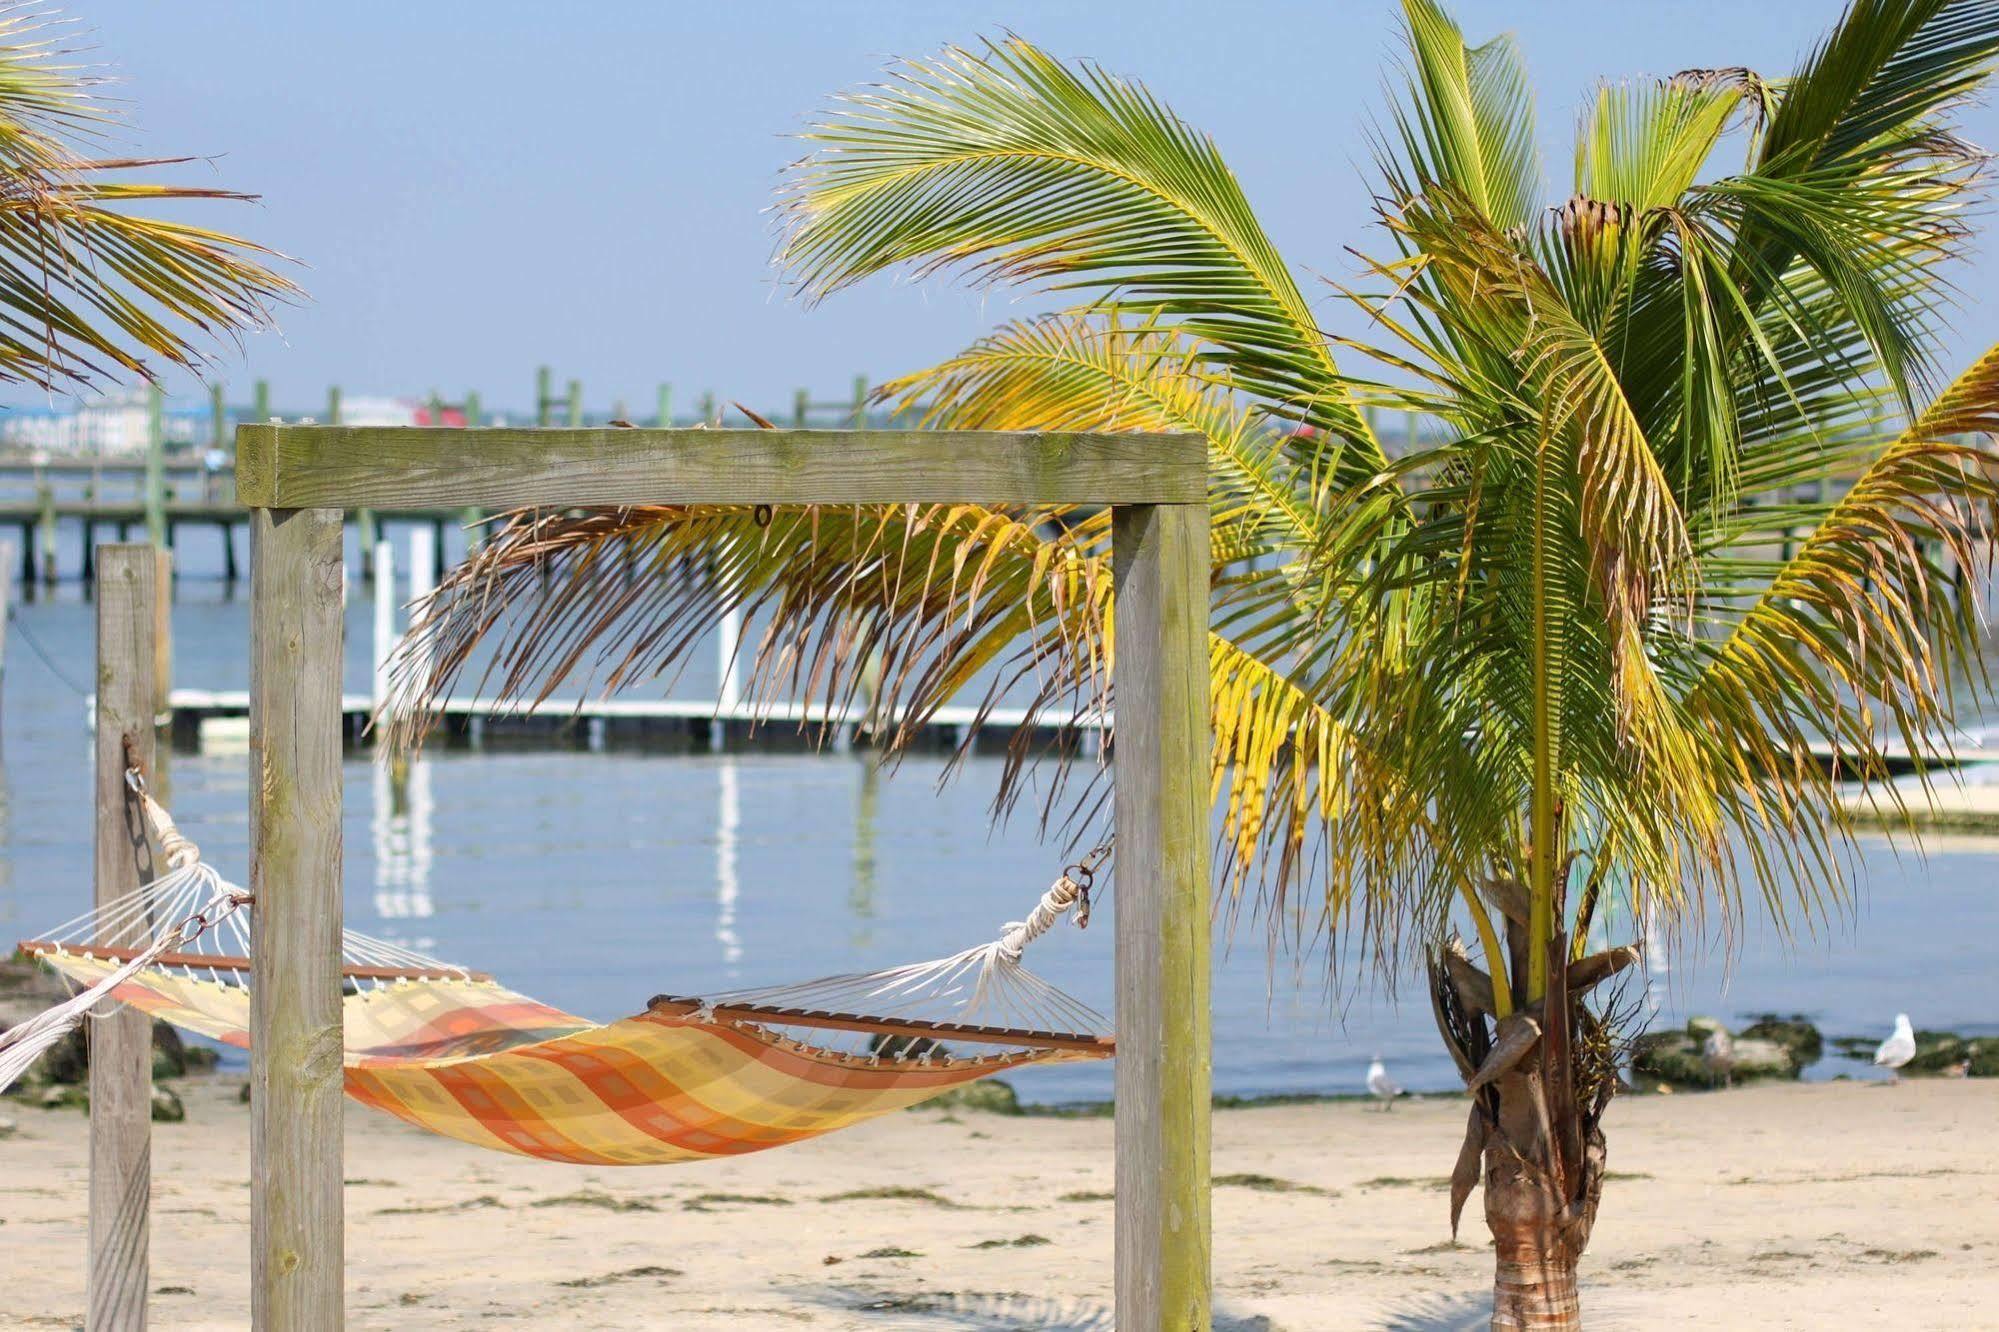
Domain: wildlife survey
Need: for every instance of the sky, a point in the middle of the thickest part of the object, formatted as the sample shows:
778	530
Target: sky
475	189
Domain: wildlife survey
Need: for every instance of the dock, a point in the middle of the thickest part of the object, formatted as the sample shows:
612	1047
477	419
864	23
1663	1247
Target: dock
205	719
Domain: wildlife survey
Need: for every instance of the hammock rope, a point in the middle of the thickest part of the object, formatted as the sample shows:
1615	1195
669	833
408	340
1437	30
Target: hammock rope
449	1050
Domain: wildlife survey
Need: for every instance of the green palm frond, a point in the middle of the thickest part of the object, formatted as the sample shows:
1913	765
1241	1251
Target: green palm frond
90	289
1012	166
1468	121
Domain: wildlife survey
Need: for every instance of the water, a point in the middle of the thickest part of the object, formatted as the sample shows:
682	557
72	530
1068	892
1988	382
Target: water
596	880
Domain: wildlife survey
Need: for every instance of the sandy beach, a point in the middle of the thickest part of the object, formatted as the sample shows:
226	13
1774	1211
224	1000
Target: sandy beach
1775	1207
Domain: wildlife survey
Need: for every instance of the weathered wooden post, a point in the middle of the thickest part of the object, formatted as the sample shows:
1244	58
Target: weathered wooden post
45	529
544	398
297	1246
218	426
663	416
1160	561
575	404
260	402
709	416
121	1038
156	466
860	401
801	408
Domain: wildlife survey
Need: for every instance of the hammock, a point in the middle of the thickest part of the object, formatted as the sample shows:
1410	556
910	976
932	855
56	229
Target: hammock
451	1051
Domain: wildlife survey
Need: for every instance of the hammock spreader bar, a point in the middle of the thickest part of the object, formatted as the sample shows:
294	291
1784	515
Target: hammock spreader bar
771	1015
233	963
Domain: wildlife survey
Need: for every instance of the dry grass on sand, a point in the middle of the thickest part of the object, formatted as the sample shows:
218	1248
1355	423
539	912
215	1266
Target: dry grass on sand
1775	1207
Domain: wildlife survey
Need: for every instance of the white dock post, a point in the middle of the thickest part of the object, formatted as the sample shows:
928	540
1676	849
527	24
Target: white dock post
423	579
385	621
729	692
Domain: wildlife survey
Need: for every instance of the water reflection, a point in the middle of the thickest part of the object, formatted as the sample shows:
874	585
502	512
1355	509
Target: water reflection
728	839
861	893
402	827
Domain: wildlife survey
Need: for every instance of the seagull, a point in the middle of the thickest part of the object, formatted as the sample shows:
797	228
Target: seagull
1380	1085
1718	1054
1898	1049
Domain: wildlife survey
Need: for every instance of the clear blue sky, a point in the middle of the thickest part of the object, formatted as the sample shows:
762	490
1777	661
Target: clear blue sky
476	188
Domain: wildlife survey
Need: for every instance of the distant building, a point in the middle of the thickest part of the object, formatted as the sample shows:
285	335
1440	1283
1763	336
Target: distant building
112	425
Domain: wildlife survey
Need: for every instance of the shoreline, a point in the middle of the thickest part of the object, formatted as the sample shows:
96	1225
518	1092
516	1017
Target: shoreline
1780	1206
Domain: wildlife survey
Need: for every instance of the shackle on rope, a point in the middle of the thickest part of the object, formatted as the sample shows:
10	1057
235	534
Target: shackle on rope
177	850
1084	875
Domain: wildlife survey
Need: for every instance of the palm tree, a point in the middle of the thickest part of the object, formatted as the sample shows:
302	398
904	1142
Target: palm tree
1680	504
90	288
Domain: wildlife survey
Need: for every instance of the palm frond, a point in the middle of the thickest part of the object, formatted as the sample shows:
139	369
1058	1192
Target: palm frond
1468	121
89	288
1011	166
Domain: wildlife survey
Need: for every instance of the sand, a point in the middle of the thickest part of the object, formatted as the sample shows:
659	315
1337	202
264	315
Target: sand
1775	1207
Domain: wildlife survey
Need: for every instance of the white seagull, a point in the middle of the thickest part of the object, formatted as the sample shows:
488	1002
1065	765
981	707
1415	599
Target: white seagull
1898	1049
1380	1086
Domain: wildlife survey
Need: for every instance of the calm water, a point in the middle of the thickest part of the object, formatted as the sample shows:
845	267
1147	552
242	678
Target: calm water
594	881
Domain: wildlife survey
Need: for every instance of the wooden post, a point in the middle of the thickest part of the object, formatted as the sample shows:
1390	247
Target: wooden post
860	400
575	404
156	467
663	417
218	438
474	417
295	866
121	1038
1160	558
45	529
709	416
544	399
260	403
801	408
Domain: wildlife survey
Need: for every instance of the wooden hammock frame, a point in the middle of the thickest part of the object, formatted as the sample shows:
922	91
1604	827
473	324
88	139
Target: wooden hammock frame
299	481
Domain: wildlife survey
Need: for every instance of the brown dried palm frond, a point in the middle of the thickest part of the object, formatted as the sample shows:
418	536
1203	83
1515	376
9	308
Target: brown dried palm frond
884	611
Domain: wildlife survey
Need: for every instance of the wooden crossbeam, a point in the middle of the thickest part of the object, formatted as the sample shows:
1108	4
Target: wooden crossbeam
402	467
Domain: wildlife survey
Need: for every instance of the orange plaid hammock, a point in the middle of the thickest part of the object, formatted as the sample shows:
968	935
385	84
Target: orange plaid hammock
449	1050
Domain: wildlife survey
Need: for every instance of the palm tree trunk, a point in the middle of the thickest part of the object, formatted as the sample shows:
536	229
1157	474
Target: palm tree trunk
1540	1218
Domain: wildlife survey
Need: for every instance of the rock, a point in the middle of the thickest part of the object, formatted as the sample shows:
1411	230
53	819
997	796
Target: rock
1795	1033
1703	1054
167	1108
988	1094
62	1097
1937	1051
8	1127
243	1094
1763	1059
1984	1057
